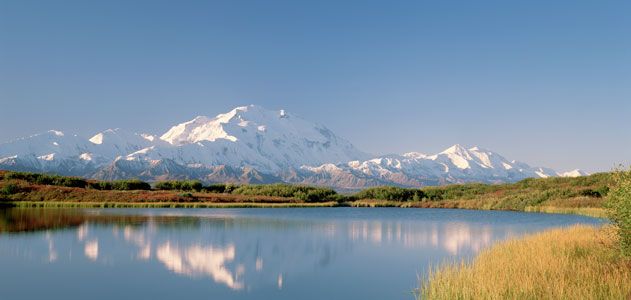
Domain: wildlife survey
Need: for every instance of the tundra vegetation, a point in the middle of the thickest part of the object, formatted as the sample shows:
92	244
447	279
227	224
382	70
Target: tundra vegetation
579	262
583	195
569	263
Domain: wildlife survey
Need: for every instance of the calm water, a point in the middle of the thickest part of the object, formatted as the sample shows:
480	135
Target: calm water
312	253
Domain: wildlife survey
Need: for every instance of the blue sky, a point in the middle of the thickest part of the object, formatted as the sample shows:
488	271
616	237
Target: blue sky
545	82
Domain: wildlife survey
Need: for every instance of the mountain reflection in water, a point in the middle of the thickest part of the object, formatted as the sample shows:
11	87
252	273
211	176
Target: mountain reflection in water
244	250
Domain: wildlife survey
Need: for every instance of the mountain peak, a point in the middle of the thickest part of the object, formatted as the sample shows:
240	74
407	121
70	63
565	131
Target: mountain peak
574	173
267	139
259	142
231	126
414	155
98	138
455	149
116	135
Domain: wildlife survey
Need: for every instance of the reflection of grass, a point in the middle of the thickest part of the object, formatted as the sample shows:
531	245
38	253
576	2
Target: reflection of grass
580	262
54	204
29	219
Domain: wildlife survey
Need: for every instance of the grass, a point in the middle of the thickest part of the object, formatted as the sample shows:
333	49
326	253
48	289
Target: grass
579	262
583	195
595	212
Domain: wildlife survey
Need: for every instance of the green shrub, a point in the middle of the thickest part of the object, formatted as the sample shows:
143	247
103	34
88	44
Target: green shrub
433	194
603	191
390	193
597	193
304	193
619	206
215	188
340	198
130	185
186	185
9	189
100	185
46	179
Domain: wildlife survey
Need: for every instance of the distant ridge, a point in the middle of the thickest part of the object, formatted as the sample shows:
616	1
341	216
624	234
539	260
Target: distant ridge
250	144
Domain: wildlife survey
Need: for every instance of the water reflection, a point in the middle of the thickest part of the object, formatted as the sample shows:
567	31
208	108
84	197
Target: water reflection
52	254
249	250
453	237
199	260
91	250
140	239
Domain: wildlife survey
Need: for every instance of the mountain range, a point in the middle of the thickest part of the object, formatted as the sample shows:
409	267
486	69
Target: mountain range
251	144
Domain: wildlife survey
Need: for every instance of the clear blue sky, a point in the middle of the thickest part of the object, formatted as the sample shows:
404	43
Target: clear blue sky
545	82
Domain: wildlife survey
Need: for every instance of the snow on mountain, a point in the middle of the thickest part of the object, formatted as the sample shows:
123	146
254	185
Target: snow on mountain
117	142
253	136
456	164
50	151
255	145
52	143
574	173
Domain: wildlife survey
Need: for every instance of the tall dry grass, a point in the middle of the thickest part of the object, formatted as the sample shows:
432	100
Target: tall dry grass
579	262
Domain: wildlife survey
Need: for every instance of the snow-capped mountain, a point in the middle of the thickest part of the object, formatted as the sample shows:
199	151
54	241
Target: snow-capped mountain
251	136
453	165
250	144
574	173
112	143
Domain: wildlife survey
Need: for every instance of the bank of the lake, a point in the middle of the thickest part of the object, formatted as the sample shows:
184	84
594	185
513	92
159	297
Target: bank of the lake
580	262
583	195
70	204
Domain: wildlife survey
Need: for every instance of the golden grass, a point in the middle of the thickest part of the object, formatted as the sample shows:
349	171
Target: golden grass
579	262
585	211
596	212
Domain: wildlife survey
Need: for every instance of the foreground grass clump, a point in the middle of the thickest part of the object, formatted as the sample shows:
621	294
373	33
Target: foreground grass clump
579	262
619	205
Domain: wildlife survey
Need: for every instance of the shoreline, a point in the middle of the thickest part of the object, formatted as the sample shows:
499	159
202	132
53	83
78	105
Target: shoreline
66	204
582	211
579	196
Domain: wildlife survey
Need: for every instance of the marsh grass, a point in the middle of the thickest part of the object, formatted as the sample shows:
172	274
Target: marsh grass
585	211
579	262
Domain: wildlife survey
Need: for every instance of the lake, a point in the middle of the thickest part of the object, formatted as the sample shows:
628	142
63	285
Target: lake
293	253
